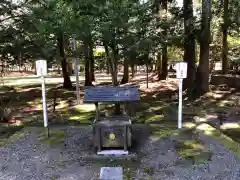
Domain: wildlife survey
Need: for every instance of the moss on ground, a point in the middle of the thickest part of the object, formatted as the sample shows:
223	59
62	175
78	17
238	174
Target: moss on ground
11	134
129	174
193	150
221	137
55	137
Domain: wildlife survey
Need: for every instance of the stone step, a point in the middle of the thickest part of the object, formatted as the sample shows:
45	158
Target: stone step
111	173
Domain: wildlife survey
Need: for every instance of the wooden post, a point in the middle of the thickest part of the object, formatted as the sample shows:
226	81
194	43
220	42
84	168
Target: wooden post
125	138
97	112
99	138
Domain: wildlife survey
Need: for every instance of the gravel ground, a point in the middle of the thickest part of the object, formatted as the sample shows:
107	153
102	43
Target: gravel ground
30	159
166	164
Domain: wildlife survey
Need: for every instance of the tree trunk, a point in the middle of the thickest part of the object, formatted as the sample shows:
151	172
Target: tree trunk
158	64
202	79
189	48
114	62
107	65
91	60
88	81
66	78
125	78
164	72
19	60
147	73
224	38
132	70
111	66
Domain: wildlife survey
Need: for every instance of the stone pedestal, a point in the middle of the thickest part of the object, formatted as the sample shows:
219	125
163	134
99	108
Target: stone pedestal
112	133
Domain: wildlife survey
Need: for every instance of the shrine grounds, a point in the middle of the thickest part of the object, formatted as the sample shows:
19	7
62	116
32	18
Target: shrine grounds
208	146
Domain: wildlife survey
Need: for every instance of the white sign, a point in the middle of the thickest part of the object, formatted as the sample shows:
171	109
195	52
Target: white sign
41	67
218	66
181	69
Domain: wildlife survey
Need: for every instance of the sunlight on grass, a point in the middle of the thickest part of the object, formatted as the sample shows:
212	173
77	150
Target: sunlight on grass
230	126
155	118
189	125
206	128
37	103
225	103
62	104
156	108
198	119
82	117
222	138
149	118
193	149
85	107
163	131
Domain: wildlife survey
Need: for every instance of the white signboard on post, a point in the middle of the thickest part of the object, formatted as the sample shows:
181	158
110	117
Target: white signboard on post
41	67
181	69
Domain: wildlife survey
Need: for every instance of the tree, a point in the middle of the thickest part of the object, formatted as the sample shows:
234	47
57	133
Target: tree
164	59
164	71
67	81
189	46
224	37
202	80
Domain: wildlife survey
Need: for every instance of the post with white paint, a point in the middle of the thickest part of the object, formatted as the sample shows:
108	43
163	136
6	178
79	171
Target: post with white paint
41	67
181	69
76	71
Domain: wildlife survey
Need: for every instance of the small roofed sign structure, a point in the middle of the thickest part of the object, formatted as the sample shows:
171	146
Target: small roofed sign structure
112	132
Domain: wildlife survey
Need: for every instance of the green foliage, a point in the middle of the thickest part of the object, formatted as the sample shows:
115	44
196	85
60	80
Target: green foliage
133	30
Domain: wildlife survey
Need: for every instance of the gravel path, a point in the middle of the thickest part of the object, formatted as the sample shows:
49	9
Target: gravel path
30	159
166	164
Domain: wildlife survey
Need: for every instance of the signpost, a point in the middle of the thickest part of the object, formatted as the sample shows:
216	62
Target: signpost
41	67
181	69
76	71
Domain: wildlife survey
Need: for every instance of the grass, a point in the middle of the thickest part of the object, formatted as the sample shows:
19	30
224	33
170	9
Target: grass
193	150
221	137
128	174
164	130
56	137
11	134
148	171
233	133
189	147
54	177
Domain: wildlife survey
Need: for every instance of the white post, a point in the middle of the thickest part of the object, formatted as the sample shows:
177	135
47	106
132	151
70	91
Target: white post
181	69
180	104
44	104
76	71
41	67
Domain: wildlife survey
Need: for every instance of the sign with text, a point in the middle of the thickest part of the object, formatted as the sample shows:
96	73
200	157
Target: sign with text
41	67
181	69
